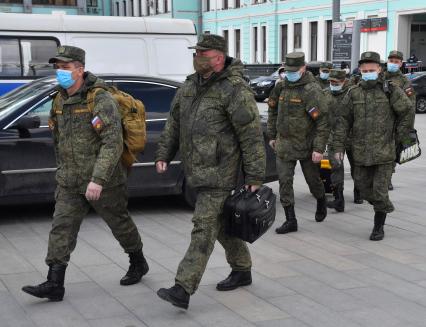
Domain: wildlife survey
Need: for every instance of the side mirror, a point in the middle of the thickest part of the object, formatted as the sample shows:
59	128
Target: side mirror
27	122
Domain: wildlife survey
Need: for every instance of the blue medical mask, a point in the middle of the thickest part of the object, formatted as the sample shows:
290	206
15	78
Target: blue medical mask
392	68
293	76
64	78
370	76
324	75
335	88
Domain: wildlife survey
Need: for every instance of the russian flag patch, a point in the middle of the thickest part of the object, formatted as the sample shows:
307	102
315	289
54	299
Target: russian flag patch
97	123
314	113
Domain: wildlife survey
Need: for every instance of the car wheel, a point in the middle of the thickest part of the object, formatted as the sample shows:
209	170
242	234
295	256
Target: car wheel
421	105
189	194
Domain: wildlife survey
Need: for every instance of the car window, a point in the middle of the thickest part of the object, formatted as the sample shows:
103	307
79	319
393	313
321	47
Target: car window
26	93
42	110
10	64
35	56
155	97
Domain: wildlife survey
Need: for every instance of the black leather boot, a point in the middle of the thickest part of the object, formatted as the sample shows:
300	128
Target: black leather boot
52	289
290	225
138	267
235	280
176	295
339	201
321	212
379	221
357	197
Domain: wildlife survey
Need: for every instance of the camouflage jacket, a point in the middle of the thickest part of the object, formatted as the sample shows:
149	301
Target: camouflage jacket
334	104
323	83
374	117
215	125
405	84
298	118
88	144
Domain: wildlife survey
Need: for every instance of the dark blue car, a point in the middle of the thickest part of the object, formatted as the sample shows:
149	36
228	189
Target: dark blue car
27	159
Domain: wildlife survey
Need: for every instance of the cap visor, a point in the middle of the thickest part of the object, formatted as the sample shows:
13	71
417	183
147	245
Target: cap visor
197	47
335	79
59	58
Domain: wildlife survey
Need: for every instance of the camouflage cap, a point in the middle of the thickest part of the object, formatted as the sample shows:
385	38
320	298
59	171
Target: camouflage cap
370	56
337	75
68	53
327	65
211	42
396	54
294	60
281	69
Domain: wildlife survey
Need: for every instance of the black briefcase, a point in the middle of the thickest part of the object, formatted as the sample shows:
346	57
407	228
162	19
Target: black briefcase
248	215
408	152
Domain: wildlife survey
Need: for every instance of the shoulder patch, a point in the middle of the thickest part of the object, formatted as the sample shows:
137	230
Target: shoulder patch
409	91
314	113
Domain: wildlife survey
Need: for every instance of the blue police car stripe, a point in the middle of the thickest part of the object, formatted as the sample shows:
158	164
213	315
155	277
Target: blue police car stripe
9	85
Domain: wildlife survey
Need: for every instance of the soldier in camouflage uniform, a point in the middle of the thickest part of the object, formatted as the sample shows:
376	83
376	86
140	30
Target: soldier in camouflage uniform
339	86
324	73
377	115
214	123
90	173
298	131
394	75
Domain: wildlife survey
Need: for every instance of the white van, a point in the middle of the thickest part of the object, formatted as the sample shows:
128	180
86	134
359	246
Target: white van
124	45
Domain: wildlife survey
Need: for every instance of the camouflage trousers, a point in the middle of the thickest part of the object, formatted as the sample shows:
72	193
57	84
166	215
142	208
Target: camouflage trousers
72	207
209	227
373	182
338	169
310	170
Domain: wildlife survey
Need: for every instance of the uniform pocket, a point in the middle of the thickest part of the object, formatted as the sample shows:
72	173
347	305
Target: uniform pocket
205	150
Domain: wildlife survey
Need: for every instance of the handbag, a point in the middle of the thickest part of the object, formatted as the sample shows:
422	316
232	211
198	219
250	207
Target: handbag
248	215
408	151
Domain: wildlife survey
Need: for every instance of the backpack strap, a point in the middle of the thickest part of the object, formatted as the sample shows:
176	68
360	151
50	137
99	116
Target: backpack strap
91	96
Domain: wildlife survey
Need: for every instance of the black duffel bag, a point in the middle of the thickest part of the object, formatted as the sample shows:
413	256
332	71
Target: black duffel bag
410	150
248	215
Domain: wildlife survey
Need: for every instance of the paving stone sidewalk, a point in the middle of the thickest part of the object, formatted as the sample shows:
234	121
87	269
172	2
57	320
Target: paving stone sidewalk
327	274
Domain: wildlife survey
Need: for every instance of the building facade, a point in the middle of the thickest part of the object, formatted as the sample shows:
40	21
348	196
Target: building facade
263	31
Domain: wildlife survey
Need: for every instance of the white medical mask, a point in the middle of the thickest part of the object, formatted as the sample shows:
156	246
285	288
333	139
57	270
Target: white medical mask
370	76
293	76
392	68
324	75
335	88
64	78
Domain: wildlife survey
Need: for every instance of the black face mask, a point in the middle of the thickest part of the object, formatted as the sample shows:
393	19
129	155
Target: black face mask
202	65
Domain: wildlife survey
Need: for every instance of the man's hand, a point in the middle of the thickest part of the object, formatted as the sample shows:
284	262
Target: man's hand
93	191
339	156
272	144
317	157
161	166
252	188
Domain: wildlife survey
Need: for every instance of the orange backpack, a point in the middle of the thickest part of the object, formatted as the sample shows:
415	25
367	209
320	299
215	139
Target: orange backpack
132	112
